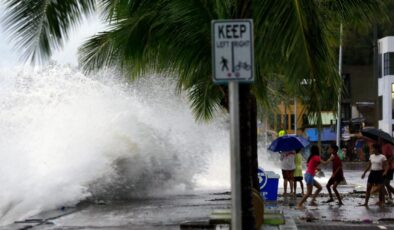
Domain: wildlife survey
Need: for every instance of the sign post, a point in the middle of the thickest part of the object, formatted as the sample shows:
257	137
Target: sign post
232	62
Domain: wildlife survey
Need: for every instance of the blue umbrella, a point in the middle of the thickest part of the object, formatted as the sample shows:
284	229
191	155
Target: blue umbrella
288	143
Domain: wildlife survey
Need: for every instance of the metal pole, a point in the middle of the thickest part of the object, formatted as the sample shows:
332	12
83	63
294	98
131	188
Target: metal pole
236	210
295	115
340	91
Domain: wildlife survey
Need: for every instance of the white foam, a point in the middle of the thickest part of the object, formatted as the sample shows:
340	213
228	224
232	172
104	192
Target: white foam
66	137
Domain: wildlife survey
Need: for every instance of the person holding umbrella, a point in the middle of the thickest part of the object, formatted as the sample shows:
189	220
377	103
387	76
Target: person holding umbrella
312	165
378	165
286	145
288	166
387	151
386	141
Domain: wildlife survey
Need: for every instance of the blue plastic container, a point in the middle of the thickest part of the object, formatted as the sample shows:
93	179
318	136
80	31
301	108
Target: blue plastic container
268	182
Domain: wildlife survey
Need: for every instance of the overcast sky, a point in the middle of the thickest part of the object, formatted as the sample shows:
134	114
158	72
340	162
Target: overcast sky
68	55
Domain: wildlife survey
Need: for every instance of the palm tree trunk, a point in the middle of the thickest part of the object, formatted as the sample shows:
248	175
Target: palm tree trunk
248	137
248	149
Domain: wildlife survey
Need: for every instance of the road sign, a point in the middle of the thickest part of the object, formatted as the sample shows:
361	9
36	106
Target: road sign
232	50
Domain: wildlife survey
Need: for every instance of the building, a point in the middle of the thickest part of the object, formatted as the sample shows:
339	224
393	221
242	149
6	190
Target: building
367	94
386	84
288	117
359	97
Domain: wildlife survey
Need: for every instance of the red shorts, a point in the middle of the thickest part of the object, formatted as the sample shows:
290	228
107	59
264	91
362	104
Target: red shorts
288	174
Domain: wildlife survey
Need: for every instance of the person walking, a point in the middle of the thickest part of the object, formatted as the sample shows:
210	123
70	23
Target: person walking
298	172
378	165
288	166
387	151
337	174
312	164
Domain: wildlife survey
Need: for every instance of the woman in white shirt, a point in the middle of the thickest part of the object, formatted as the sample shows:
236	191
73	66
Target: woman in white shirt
379	167
288	167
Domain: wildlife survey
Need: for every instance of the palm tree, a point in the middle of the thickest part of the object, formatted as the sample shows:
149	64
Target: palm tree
293	38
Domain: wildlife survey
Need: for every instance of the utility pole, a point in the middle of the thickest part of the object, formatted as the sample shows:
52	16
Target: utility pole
340	89
295	115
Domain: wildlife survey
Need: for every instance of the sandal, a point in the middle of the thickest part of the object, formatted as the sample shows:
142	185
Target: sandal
313	203
328	201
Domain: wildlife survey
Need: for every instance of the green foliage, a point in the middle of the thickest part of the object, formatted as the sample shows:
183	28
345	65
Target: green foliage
359	37
41	26
295	42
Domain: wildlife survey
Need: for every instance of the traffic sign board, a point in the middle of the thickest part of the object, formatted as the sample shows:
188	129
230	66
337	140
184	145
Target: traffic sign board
232	50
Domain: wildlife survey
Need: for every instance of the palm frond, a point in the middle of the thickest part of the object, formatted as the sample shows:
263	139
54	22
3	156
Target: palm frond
205	99
361	11
292	40
142	41
99	51
40	26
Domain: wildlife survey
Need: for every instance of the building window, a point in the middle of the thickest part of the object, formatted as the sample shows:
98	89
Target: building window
388	64
285	121
279	121
271	120
379	56
392	101
292	121
346	90
392	130
305	120
380	108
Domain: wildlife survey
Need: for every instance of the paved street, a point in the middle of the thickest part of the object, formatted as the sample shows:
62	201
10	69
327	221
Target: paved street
169	212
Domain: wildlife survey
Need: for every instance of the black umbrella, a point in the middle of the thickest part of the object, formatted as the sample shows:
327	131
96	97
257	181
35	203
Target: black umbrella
375	134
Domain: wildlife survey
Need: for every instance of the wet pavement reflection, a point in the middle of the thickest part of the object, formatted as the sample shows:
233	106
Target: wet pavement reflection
352	193
169	212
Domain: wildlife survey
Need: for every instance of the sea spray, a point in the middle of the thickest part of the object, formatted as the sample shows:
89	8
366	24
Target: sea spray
66	137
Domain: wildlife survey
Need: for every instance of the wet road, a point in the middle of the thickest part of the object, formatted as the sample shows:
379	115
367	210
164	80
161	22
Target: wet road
169	212
334	215
153	213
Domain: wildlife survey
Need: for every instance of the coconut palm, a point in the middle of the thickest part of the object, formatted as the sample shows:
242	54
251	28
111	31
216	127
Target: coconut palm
293	38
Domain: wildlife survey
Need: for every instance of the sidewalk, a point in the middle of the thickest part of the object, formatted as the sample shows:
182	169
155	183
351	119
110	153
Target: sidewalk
324	216
173	212
332	216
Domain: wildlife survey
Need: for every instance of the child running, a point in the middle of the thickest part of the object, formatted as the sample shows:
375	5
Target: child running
312	163
298	171
337	174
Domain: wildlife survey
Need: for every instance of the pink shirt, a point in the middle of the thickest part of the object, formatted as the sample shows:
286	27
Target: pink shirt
312	165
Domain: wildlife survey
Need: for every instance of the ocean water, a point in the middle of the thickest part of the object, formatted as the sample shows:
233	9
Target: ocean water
66	137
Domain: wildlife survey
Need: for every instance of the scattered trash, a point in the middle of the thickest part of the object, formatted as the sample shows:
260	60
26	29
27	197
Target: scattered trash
100	202
386	220
367	221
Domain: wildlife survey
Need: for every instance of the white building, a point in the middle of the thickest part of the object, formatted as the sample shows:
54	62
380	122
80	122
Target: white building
386	84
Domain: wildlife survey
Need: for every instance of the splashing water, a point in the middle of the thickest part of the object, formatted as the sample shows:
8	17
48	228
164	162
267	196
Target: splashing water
66	137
